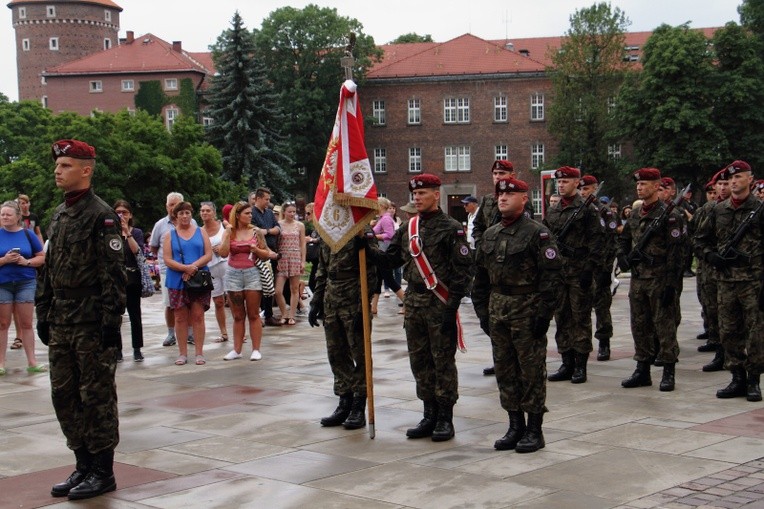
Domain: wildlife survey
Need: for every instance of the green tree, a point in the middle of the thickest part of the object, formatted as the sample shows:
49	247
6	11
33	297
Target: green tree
411	37
587	73
22	128
246	115
752	17
667	108
301	50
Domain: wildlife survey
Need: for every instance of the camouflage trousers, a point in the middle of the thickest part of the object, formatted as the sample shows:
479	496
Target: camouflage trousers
574	318
602	299
652	322
707	296
431	354
519	359
83	388
344	347
740	325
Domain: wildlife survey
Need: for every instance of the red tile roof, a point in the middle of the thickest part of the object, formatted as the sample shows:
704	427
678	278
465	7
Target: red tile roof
147	53
105	3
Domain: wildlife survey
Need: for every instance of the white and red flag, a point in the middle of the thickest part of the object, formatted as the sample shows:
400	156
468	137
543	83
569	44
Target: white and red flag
346	197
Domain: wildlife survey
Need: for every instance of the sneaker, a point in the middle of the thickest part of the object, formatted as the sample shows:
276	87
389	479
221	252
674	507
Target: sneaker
614	286
137	356
232	355
190	339
169	340
256	355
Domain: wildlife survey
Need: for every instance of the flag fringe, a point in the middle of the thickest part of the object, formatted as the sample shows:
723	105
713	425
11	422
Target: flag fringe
335	246
349	200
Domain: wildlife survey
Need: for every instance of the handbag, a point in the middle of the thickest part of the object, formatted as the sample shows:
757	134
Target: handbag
199	282
312	248
266	277
147	284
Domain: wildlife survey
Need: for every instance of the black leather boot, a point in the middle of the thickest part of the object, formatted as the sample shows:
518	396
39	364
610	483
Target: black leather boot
514	433
709	347
100	480
489	371
357	417
603	354
737	387
533	440
753	391
668	379
702	335
340	413
427	424
81	470
640	377
444	427
579	371
565	372
717	364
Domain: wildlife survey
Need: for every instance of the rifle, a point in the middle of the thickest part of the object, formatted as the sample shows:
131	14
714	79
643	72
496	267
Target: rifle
563	232
729	249
637	254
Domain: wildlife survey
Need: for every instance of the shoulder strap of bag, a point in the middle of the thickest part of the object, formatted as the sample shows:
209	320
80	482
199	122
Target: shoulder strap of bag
180	249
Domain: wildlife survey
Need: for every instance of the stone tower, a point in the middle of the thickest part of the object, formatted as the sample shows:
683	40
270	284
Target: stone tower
52	32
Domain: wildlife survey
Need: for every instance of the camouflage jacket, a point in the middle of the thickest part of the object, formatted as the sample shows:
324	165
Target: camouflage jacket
585	238
488	215
516	257
83	279
609	223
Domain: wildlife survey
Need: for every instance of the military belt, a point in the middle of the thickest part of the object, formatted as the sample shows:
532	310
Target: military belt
513	290
77	293
342	275
418	288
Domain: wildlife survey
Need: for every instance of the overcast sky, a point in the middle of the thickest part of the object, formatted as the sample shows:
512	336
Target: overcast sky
198	27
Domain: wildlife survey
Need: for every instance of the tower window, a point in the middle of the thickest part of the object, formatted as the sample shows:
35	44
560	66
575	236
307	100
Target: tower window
50	11
106	43
53	44
25	44
107	15
22	13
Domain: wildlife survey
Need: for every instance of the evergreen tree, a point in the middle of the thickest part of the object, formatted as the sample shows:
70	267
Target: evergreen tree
246	115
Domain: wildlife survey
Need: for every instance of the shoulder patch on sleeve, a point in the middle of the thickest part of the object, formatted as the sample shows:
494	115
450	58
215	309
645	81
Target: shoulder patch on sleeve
544	235
460	233
108	222
671	220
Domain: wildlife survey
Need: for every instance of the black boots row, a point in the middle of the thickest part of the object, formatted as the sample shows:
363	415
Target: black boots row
437	423
741	386
573	368
350	413
520	436
93	476
641	377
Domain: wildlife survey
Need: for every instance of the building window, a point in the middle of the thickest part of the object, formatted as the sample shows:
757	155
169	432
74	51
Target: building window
457	158
50	11
44	101
25	44
53	43
106	43
107	15
131	111
171	114
22	13
536	200
537	107
415	160
207	121
43	80
610	105
171	84
378	112
415	111
537	155
456	111
500	109
128	85
614	151
380	160
501	152
96	86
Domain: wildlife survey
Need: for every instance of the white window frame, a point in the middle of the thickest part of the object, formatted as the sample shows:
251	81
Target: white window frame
96	86
611	104
43	80
380	160
537	107
501	152
536	200
457	158
207	121
415	160
449	110
53	44
128	86
463	110
614	151
131	111
378	112
170	116
22	13
107	15
415	112
25	45
50	11
537	155
44	101
106	43
500	111
171	83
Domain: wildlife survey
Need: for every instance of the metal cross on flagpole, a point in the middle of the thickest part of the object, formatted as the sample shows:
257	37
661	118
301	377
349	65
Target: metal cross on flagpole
347	62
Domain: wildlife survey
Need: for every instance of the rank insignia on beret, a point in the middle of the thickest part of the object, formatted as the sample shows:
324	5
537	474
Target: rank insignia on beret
543	235
412	183
550	253
115	244
464	250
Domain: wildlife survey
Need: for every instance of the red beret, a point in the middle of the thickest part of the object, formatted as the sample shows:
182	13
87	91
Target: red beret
709	185
227	210
667	182
588	180
502	164
424	181
511	185
759	183
567	172
733	168
647	174
72	148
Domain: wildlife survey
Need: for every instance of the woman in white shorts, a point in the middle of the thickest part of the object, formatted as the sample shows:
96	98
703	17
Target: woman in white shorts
242	278
217	266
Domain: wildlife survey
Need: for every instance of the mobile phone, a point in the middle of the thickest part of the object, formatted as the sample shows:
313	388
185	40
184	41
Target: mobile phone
15	250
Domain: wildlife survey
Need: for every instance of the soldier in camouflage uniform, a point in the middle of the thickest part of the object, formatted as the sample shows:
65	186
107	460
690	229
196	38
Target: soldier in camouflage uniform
581	249
80	300
431	325
655	278
667	193
517	283
602	296
337	299
740	273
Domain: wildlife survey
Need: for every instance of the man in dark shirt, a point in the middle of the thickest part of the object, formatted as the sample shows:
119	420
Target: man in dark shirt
265	222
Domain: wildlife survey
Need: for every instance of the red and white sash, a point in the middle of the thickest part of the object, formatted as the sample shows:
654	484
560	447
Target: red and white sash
431	281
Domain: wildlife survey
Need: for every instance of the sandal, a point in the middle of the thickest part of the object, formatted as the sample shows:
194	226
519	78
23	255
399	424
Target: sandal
200	360
291	321
181	360
37	368
222	339
283	321
16	344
